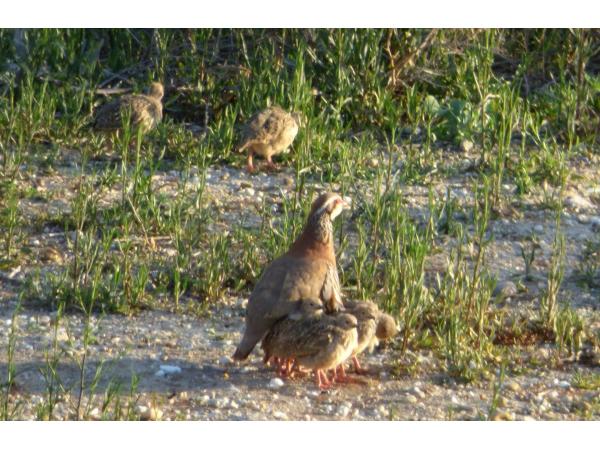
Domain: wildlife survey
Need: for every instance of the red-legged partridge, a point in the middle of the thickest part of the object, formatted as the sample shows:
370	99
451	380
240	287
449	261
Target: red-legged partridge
307	270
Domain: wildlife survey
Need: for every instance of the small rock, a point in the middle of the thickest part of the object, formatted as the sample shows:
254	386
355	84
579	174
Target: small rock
503	415
417	392
583	219
576	201
279	415
344	409
276	383
513	386
505	289
44	320
539	229
466	145
411	399
167	370
595	221
225	360
373	163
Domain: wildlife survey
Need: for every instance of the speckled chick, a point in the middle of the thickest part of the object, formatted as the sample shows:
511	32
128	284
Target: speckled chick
317	342
145	111
366	314
273	345
268	133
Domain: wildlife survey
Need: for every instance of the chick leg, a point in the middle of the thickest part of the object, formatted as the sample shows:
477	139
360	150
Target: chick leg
357	369
341	377
321	379
270	164
249	165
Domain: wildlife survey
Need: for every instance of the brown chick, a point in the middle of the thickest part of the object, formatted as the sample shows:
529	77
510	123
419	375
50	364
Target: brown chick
269	132
275	348
307	270
145	111
376	325
318	342
366	314
386	327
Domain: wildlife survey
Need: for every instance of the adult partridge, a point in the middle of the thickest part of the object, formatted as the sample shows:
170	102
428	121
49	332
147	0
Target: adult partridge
307	270
145	111
269	132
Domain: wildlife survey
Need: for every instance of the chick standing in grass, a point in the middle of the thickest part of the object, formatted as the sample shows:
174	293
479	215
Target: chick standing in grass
145	111
269	132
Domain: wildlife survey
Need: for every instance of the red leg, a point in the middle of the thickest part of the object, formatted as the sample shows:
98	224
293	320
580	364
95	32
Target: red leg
321	379
270	164
250	166
341	377
357	369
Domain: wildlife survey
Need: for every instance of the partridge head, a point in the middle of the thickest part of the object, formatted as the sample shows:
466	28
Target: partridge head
307	270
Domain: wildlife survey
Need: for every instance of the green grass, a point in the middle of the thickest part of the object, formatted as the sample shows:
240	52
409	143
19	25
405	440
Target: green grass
380	109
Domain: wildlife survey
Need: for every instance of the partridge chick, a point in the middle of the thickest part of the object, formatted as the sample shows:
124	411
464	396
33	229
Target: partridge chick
269	132
318	342
375	326
386	327
307	270
366	314
275	348
145	111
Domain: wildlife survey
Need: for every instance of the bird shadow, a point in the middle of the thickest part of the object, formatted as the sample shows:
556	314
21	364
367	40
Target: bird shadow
142	375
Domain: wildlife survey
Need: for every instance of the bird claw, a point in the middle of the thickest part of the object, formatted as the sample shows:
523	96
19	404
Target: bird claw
272	167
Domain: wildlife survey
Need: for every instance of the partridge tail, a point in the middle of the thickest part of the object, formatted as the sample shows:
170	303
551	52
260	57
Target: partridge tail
244	349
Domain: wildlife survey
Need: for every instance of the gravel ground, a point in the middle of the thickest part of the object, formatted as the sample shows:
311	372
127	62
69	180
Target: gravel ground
182	361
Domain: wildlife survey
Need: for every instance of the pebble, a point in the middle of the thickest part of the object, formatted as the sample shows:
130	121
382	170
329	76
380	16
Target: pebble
561	383
505	289
576	201
595	221
417	392
411	399
539	229
503	415
167	370
94	414
276	383
279	415
583	219
344	409
44	320
225	360
466	145
513	386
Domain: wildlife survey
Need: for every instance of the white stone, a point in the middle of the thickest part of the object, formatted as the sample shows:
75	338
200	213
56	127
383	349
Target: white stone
225	360
279	415
343	410
276	383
